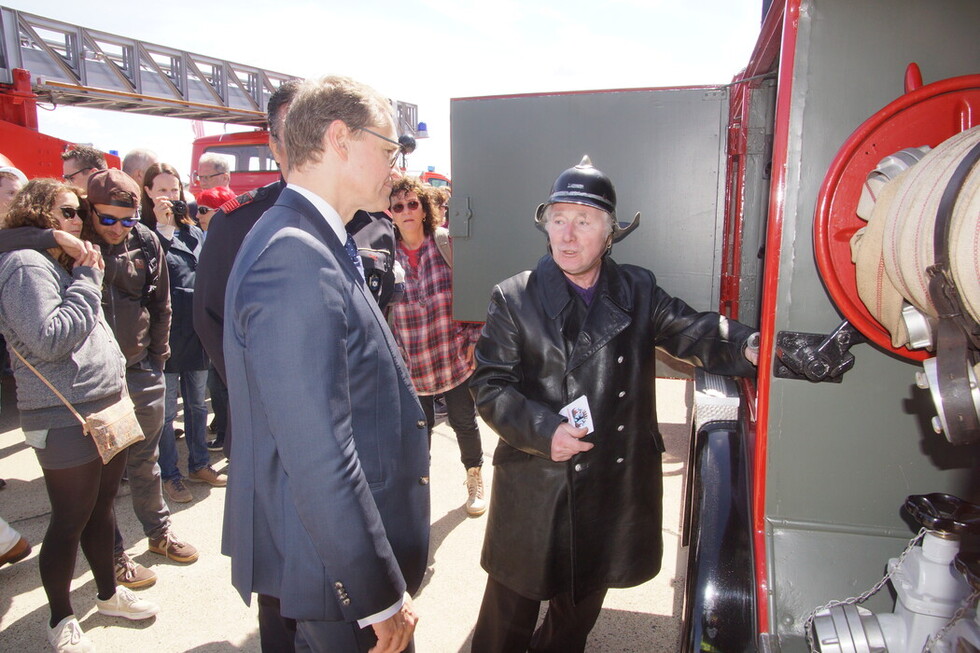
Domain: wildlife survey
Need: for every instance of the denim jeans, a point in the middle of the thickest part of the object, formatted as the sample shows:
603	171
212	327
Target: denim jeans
191	385
461	415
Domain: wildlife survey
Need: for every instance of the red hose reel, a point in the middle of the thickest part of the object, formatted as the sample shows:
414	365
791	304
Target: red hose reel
925	115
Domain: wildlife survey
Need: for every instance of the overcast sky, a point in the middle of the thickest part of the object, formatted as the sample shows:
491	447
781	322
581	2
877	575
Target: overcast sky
420	51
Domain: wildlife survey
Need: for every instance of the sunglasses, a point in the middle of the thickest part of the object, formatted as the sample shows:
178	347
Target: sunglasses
70	212
108	220
201	210
411	204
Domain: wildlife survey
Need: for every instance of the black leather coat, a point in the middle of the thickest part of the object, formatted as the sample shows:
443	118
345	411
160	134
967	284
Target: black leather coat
594	521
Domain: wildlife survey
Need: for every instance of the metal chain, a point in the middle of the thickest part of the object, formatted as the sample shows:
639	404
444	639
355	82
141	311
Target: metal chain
808	624
959	614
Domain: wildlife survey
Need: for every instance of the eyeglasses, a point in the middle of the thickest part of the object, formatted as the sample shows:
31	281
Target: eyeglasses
108	220
394	157
69	178
199	176
411	204
70	212
201	210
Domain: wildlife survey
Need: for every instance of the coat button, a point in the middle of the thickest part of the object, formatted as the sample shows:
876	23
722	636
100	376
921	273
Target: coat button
421	424
338	585
619	460
620	360
578	467
622	393
423	480
620	427
345	601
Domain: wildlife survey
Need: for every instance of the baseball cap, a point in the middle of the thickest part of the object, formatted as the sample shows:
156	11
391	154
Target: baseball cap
113	187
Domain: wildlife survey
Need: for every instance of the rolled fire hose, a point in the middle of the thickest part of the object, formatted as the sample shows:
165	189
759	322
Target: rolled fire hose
893	253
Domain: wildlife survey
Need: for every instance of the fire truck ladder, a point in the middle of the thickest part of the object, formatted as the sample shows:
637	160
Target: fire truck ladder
73	65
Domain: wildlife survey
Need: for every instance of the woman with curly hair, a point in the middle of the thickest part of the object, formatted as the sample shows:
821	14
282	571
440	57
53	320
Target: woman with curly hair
437	348
186	372
51	316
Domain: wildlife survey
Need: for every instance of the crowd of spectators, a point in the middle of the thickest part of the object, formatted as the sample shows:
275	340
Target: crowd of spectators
116	255
102	263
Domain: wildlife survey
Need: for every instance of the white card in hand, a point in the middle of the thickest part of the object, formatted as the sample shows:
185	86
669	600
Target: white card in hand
578	414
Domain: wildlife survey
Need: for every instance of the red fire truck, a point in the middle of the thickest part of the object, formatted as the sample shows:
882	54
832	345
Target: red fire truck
757	197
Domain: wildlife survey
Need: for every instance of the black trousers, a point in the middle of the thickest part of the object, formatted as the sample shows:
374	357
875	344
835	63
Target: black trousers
461	414
507	619
276	632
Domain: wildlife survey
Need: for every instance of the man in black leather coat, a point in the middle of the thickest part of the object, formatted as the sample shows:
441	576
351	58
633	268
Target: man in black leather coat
575	511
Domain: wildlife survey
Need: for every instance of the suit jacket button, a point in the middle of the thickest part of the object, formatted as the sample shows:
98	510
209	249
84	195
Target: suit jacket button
346	601
423	480
421	424
339	585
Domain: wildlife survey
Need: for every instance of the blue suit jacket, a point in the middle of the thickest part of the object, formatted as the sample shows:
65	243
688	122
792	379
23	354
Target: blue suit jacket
327	504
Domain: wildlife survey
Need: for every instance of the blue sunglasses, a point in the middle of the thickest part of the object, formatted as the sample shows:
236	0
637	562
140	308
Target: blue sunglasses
108	220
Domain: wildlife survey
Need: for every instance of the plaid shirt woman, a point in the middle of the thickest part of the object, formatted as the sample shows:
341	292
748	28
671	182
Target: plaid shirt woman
437	348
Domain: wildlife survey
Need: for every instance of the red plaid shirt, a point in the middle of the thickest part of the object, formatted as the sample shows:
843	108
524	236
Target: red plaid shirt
433	343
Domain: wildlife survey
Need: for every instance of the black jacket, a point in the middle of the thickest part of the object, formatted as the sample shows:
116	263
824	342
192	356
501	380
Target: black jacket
594	521
183	253
226	231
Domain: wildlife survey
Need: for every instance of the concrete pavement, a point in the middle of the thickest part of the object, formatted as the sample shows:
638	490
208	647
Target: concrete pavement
201	612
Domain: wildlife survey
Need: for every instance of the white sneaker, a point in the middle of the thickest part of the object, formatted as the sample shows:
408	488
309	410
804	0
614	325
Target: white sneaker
476	505
68	637
124	603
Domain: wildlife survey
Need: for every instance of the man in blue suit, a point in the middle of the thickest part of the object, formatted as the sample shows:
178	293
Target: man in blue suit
328	505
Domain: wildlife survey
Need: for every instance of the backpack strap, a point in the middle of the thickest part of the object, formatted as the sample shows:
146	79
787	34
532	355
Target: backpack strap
441	237
152	261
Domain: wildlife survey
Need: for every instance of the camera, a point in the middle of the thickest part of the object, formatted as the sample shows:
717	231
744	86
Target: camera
179	208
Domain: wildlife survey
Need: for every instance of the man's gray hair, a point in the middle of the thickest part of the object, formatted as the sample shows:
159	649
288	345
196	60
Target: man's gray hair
320	102
218	162
609	218
138	159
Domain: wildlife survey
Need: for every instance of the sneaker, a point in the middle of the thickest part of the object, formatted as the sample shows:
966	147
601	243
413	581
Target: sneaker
476	505
208	475
218	444
68	637
132	574
171	547
176	491
18	552
124	603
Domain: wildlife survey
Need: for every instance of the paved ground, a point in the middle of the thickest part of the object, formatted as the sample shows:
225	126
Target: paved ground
201	612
